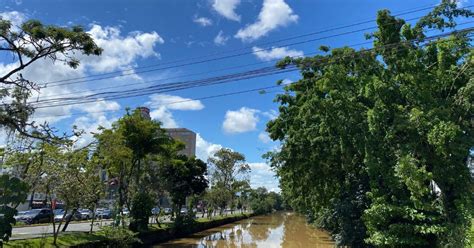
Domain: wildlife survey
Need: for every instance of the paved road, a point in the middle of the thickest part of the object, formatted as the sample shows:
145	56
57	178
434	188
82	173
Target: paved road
40	231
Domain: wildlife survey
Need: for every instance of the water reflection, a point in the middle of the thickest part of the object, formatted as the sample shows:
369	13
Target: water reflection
281	229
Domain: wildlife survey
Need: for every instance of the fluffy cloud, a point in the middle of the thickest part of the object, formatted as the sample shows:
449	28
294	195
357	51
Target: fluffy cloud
90	125
271	114
175	102
161	105
460	3
205	149
203	21
263	176
274	14
15	17
275	53
226	8
221	39
240	121
163	115
264	138
120	52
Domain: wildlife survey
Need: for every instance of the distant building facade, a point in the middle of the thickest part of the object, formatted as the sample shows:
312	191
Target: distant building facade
145	112
186	136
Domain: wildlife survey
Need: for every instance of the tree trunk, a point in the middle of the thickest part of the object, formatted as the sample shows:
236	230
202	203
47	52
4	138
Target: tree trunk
93	218
68	220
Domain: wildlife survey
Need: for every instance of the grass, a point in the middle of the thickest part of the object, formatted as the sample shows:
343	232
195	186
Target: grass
472	234
78	238
22	224
64	240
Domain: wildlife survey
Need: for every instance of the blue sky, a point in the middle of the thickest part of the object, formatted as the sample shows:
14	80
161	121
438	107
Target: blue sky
144	33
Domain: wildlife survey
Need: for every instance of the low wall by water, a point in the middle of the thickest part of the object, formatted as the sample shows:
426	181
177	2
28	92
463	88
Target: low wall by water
152	237
163	235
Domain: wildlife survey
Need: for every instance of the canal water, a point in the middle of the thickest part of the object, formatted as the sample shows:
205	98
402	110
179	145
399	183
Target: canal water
281	229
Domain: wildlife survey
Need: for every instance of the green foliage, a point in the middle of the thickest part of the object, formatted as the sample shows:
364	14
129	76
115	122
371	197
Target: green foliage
13	191
120	237
184	223
228	171
374	142
31	42
140	213
263	202
129	152
183	177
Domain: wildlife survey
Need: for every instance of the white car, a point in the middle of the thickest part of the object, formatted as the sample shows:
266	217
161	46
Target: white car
85	214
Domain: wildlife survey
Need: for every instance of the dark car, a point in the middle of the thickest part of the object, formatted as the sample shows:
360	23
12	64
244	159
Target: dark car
35	216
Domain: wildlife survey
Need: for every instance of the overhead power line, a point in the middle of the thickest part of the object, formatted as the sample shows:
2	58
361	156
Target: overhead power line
177	102
255	73
200	61
163	80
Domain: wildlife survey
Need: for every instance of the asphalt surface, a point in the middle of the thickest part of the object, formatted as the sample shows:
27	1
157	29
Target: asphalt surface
36	231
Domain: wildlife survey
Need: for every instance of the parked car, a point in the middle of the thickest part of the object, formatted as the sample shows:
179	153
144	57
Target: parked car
20	215
35	216
59	214
98	211
167	210
183	211
155	211
126	212
85	214
104	214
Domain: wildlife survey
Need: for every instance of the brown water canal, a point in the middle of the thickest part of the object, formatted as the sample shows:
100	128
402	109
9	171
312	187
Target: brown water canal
281	229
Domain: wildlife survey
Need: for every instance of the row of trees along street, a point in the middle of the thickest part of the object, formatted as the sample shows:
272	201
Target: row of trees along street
374	142
139	158
144	163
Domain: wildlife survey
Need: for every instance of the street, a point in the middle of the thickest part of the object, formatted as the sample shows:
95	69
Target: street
42	230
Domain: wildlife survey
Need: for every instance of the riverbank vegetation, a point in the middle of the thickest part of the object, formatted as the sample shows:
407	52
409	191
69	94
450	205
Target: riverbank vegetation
375	141
132	166
118	237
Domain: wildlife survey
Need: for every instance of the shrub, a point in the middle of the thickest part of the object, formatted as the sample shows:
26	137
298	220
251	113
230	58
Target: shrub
140	213
120	237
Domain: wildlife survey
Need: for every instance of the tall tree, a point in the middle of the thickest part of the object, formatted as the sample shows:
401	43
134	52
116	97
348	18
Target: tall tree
228	172
374	141
13	192
123	149
183	177
26	44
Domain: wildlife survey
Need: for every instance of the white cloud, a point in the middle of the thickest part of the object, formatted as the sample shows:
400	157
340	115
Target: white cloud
460	3
264	138
271	114
274	14
263	176
205	149
240	121
275	53
90	125
163	103
163	115
203	21
15	17
221	39
227	8
120	52
175	102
